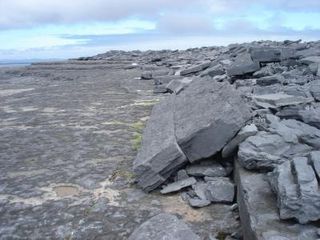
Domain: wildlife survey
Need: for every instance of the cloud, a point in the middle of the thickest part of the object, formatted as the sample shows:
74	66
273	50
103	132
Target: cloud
25	13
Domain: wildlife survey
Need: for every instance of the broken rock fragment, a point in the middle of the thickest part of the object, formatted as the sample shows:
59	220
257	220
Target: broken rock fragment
243	64
164	226
220	190
176	186
297	189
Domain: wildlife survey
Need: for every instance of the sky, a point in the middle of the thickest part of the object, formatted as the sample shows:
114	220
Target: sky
47	29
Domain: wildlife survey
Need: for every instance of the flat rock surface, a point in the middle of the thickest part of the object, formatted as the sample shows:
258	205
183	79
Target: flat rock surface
68	135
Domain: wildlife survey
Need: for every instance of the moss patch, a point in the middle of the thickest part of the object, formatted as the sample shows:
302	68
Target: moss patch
136	141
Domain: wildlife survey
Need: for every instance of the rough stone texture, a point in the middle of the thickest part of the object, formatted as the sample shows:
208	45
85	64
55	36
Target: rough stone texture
176	186
164	226
263	150
214	71
195	69
259	213
315	162
269	80
315	90
265	54
208	168
297	189
242	65
220	190
207	116
245	132
160	154
178	85
279	100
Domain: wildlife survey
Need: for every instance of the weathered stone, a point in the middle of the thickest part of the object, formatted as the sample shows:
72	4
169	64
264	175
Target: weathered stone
177	186
146	76
315	90
242	65
264	150
220	190
310	60
164	80
195	69
160	89
178	85
269	80
265	54
214	71
160	154
277	100
181	175
259	212
208	168
208	115
245	132
297	190
314	158
164	226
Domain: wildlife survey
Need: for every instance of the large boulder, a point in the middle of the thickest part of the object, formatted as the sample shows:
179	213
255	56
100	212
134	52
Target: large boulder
297	189
164	227
207	116
160	154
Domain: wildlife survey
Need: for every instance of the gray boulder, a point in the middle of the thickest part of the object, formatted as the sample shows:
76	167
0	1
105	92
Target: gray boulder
164	227
297	190
214	71
160	154
269	80
243	64
207	116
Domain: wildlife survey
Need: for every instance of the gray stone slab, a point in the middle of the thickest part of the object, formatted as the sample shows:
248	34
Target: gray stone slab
245	132
208	168
207	116
270	80
160	154
177	186
315	90
164	227
220	190
314	158
258	210
243	64
297	190
277	100
195	69
178	85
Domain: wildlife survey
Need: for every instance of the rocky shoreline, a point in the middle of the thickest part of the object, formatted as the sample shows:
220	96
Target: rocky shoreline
224	141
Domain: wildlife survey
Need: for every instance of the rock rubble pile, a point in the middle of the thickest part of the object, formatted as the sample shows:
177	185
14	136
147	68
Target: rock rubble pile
255	103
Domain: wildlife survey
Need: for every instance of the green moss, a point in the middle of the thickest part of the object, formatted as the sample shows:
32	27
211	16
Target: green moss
136	141
138	126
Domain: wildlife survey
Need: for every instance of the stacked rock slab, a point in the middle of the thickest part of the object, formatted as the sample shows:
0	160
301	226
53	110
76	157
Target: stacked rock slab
297	189
195	124
259	212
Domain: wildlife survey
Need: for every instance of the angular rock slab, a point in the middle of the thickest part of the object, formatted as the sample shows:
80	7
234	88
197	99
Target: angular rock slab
243	64
160	154
297	189
220	190
231	147
207	116
177	186
259	213
164	227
